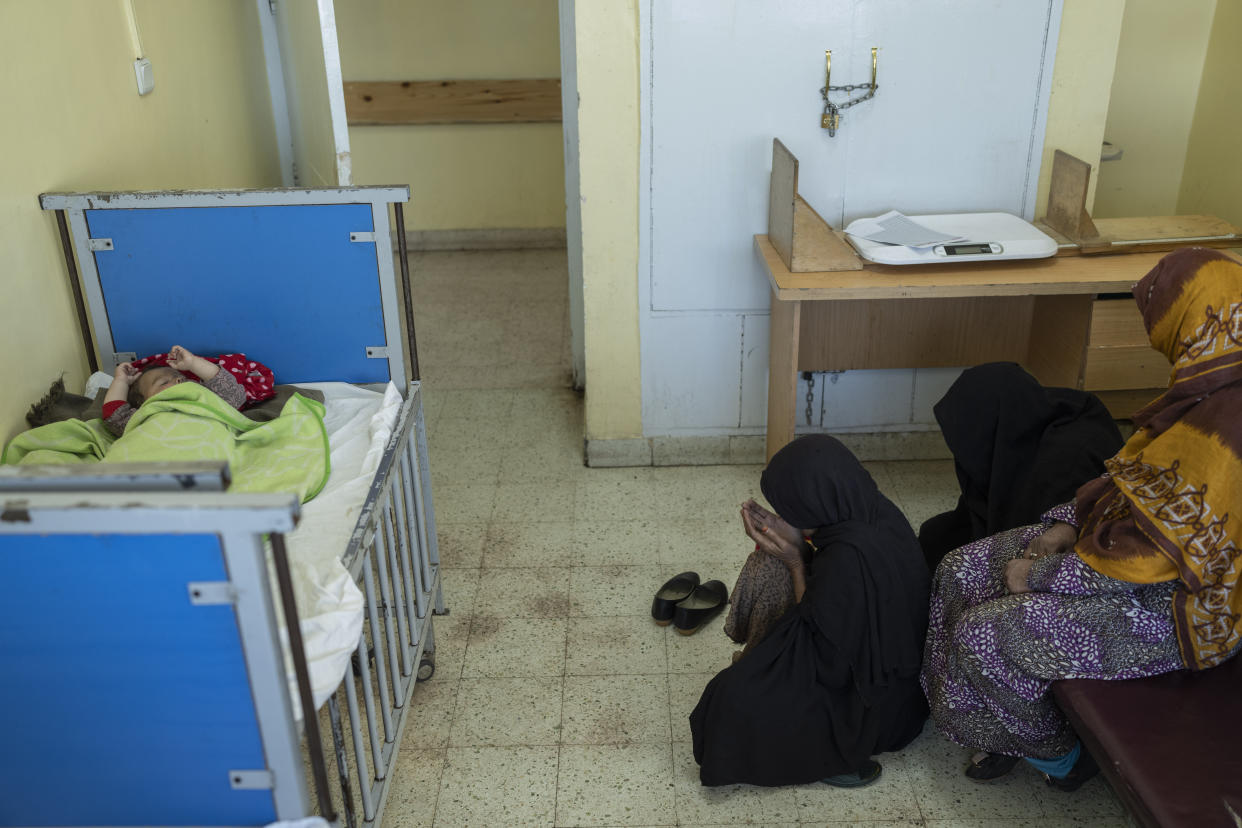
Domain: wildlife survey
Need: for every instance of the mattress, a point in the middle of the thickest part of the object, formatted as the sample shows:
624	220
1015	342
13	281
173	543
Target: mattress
359	423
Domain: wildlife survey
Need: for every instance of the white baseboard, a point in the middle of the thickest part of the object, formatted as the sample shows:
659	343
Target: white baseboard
730	450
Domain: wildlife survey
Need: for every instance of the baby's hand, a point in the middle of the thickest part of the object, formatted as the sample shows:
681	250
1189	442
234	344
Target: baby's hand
180	358
126	372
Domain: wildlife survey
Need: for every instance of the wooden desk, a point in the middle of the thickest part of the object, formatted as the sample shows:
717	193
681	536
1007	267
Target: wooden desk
1035	312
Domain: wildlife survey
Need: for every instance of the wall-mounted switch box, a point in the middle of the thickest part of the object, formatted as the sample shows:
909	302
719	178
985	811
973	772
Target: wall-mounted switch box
145	75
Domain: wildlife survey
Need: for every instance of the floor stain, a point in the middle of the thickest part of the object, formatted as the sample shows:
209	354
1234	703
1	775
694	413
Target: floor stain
484	628
555	605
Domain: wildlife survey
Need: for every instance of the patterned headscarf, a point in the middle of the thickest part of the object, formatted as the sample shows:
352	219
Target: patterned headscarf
1171	507
255	378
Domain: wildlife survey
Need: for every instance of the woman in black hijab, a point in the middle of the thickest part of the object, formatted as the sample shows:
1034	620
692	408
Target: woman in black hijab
1019	448
835	679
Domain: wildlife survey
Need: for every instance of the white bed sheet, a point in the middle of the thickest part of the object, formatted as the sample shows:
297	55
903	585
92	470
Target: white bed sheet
359	423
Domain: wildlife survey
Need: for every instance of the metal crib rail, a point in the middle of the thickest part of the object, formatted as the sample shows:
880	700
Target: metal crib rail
410	410
392	554
293	624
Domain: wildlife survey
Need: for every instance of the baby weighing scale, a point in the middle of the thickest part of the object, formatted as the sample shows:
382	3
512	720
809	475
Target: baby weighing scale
963	237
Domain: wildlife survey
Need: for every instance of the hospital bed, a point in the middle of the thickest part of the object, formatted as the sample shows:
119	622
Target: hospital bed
164	636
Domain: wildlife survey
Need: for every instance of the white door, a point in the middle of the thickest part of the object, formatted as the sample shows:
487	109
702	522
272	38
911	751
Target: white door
726	78
956	126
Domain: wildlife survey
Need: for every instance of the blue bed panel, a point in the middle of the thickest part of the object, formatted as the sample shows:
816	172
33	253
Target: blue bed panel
282	284
122	703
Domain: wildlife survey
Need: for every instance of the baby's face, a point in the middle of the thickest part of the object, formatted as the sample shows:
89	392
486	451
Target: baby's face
156	380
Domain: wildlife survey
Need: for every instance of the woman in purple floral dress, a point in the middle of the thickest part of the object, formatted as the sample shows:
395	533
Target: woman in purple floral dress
1137	576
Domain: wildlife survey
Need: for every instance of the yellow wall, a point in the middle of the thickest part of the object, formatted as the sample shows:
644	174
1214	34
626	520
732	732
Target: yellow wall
1081	79
465	176
608	127
73	121
1212	180
1159	64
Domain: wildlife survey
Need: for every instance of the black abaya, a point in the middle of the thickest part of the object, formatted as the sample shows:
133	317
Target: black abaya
835	680
1019	449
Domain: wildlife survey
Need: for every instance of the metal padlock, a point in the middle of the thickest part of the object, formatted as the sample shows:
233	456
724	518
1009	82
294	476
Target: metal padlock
830	121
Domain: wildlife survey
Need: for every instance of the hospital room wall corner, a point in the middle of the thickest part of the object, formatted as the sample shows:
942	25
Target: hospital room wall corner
1082	79
74	121
1212	178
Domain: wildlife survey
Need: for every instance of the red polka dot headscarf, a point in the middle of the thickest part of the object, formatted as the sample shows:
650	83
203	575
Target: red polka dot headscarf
255	377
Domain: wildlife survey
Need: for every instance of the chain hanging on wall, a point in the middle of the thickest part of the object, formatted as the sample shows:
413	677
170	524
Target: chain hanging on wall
831	119
810	394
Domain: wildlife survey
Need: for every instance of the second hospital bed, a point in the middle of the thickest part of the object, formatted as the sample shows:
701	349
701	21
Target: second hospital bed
130	700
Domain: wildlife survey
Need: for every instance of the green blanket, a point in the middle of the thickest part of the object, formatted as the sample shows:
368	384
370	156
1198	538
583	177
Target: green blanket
189	422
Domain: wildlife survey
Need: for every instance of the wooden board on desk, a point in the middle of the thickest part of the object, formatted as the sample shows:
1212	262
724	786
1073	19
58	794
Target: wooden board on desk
816	246
1166	228
1078	234
802	239
1151	234
1167	233
782	189
1067	200
1056	275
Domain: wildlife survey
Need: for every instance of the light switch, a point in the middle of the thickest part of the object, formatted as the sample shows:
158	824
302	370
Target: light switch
145	75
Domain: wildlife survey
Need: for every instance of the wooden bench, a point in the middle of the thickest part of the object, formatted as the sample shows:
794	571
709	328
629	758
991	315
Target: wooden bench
1170	745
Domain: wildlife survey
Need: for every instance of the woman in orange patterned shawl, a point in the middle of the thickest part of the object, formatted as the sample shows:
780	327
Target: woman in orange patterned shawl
1171	507
1138	576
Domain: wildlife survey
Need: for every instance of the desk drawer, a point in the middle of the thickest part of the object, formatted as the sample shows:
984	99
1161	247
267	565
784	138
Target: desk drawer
1119	355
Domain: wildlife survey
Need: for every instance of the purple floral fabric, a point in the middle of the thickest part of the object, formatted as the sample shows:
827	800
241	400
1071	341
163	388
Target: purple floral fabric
990	655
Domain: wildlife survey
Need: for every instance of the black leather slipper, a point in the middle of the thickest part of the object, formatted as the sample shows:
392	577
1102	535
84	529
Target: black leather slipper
1085	768
678	588
991	766
700	606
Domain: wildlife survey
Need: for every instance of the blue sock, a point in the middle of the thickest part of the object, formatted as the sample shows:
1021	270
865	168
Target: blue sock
1061	765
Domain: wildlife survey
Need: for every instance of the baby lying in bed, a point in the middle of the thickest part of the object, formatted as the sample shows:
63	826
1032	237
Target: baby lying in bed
130	387
168	420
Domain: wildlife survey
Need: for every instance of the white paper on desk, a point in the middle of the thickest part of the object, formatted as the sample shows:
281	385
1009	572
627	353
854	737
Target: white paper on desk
896	228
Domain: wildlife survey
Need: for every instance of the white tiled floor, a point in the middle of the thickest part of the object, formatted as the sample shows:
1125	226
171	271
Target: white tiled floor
556	700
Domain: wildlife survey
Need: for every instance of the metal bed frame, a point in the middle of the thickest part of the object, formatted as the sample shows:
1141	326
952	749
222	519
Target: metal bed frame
209	590
394	543
392	553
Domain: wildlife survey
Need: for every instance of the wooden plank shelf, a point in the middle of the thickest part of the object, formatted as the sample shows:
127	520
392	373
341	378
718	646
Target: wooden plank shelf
381	103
